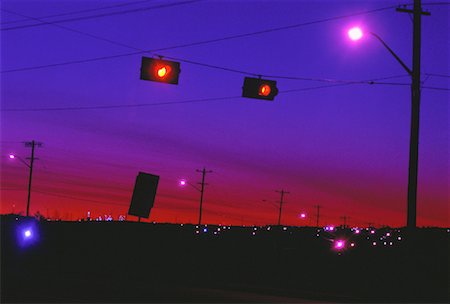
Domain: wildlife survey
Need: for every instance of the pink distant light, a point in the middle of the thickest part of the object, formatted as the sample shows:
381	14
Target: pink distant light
12	156
355	33
339	244
182	182
302	215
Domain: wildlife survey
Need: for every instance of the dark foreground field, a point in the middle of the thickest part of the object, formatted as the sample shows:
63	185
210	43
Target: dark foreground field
140	262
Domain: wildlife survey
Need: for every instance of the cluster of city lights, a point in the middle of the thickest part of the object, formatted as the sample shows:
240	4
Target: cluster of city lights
342	240
204	229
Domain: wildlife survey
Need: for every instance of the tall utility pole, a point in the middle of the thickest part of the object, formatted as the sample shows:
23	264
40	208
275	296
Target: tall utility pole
318	215
31	144
415	112
202	190
282	192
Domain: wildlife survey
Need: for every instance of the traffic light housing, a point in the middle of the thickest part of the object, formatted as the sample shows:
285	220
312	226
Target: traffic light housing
160	70
259	88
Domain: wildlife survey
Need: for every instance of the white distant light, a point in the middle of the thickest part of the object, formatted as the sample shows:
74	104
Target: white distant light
27	233
355	33
183	182
12	156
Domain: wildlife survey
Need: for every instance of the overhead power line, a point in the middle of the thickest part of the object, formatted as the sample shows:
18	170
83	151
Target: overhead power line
190	61
136	10
81	11
223	68
435	88
437	75
163	103
80	199
197	43
185	60
433	3
104	107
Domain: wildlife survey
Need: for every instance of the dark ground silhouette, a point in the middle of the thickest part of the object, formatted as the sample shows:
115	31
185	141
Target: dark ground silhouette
141	262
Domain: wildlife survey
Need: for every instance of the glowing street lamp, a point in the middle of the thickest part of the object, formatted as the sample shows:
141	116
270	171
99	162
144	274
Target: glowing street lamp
302	215
183	183
356	34
13	157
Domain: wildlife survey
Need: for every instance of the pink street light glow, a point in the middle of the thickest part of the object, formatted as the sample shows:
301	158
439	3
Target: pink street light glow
339	244
302	215
12	156
355	33
182	182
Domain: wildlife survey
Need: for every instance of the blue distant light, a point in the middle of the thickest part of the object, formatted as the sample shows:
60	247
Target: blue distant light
27	233
205	230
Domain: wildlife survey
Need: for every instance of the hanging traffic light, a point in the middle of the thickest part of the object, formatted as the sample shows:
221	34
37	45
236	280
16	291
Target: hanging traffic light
259	88
160	70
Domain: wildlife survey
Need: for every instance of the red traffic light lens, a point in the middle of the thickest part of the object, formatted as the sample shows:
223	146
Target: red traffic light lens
264	90
163	71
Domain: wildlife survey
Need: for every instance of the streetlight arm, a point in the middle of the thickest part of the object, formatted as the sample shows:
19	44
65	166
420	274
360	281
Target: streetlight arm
196	188
23	162
393	53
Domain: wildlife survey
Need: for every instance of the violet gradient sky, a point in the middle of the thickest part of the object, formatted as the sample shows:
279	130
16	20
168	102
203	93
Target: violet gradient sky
344	147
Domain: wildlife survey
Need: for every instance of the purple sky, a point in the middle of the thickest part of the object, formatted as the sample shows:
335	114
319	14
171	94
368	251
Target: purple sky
344	147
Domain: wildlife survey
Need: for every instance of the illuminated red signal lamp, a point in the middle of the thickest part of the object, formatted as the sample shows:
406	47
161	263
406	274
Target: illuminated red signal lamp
259	88
160	70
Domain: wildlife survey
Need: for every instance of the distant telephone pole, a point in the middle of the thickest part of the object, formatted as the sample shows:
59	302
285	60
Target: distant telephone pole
344	218
31	144
282	192
318	215
202	190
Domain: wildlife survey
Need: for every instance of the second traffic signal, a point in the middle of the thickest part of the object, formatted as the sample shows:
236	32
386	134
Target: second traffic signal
259	88
160	70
